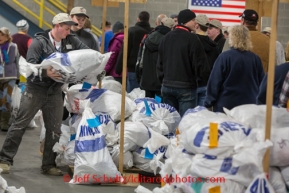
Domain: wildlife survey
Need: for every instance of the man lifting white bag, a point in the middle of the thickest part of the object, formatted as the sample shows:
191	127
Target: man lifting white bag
74	66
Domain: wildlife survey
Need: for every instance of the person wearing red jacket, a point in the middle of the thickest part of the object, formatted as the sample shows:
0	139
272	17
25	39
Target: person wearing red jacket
115	46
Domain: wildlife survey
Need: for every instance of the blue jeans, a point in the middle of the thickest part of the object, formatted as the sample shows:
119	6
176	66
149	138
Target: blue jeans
131	82
32	100
181	99
201	95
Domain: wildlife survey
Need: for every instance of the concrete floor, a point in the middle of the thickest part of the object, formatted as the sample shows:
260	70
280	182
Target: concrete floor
26	172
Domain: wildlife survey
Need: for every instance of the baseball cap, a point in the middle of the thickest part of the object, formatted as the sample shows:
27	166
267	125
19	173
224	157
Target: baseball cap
78	11
5	30
169	22
250	15
202	19
215	23
22	25
267	29
63	18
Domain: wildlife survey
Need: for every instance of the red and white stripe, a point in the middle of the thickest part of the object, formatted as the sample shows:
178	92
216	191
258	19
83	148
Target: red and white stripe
228	14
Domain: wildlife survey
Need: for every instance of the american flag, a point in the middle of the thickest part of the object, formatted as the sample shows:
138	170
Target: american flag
226	11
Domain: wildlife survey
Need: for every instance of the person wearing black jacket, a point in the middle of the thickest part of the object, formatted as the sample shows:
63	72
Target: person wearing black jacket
215	33
182	62
135	36
211	50
148	56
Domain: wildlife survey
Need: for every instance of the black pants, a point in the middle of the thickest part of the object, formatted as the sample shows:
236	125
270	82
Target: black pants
152	93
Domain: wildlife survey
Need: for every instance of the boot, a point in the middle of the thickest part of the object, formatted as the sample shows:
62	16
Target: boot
5	116
0	120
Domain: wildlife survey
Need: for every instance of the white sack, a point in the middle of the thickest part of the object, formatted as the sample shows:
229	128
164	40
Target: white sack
163	119
255	115
140	161
111	85
127	157
285	174
109	102
260	184
92	155
136	135
136	93
78	63
276	180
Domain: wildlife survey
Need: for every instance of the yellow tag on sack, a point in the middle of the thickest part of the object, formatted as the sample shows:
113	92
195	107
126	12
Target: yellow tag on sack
213	135
216	189
22	79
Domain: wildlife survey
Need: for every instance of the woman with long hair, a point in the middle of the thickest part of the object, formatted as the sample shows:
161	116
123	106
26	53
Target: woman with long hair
236	75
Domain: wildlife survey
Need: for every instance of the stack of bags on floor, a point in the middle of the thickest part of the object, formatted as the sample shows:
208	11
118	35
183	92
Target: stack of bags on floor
144	117
4	188
230	150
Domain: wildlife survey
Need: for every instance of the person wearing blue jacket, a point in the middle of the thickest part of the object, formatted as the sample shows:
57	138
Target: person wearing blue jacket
236	75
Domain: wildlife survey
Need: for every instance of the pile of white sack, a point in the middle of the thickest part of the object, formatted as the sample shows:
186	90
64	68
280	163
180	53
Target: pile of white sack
145	118
231	155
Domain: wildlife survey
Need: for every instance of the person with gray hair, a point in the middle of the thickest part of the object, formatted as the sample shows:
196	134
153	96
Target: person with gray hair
236	75
159	19
21	38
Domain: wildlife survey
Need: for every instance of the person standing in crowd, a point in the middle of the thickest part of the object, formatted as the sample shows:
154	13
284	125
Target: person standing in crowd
215	33
87	27
211	50
114	46
236	75
21	38
108	35
284	96
260	42
79	16
135	36
175	18
148	57
280	75
182	62
42	92
23	41
9	73
280	53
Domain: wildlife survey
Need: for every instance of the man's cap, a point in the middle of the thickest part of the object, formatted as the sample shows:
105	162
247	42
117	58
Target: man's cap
169	22
202	19
250	15
78	11
185	16
5	30
215	23
174	16
22	25
63	18
267	29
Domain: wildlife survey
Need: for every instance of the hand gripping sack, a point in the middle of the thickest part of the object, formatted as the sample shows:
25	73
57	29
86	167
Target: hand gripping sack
92	157
160	117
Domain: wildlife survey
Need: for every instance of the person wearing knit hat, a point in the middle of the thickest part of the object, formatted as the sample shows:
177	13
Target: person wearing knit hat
187	16
117	27
182	61
22	39
114	46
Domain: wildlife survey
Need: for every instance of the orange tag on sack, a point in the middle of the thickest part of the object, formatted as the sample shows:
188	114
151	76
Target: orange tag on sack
213	135
216	189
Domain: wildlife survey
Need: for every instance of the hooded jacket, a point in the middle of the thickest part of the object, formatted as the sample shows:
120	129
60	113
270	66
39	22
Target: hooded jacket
148	73
212	52
10	69
135	36
40	48
114	46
